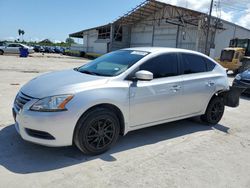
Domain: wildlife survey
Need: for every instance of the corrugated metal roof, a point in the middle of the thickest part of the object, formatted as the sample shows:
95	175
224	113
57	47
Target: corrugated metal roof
148	8
79	34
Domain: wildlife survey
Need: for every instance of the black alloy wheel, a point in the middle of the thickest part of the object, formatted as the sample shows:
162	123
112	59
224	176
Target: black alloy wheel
97	131
100	133
217	111
214	111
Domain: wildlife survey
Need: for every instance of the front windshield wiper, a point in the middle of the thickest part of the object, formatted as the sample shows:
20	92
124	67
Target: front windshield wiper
90	72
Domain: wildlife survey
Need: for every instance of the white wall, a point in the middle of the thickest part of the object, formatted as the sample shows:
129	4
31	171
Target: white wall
100	48
165	35
90	44
223	38
141	35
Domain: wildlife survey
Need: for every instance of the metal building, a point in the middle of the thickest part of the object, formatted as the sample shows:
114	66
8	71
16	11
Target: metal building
155	23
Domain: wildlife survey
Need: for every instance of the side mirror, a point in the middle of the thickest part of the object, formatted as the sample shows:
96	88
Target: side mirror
144	75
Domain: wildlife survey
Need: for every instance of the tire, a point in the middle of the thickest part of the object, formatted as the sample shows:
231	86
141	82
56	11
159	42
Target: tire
214	111
1	52
97	131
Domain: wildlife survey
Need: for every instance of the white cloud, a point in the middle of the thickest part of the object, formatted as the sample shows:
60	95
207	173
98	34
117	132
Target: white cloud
191	4
228	16
57	41
244	20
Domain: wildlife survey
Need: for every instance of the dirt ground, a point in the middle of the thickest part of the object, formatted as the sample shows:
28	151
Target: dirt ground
179	154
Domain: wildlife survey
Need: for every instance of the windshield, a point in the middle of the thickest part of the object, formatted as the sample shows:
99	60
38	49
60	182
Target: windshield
113	64
242	43
227	55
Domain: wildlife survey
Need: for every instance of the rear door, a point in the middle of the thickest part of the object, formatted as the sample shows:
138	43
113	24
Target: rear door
198	83
158	99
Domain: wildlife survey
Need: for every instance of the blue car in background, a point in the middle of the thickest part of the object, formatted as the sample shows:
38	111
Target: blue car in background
59	50
243	80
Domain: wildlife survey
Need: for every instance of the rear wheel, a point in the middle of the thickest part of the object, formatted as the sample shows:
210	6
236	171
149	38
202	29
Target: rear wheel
1	52
97	131
214	111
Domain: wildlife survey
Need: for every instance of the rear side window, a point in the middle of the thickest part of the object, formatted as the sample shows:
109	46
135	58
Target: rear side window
162	65
193	64
210	64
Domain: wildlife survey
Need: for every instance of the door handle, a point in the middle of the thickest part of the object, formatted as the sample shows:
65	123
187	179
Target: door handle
210	83
175	88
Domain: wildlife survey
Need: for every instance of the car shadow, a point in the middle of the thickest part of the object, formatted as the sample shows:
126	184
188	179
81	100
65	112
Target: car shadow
22	157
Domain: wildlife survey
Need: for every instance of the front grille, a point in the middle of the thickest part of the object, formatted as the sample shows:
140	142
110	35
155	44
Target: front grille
21	100
39	134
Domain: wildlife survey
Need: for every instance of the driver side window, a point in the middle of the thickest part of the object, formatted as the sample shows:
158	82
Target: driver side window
162	66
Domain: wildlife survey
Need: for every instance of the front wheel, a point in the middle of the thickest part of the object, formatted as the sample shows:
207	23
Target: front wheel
1	52
214	111
97	131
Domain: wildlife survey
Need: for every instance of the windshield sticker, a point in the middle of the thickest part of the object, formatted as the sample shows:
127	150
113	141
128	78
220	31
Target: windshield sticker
139	53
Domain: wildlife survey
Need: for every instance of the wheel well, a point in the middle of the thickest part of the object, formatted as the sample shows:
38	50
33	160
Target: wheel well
112	108
216	94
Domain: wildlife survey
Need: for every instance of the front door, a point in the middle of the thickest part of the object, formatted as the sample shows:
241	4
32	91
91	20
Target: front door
156	100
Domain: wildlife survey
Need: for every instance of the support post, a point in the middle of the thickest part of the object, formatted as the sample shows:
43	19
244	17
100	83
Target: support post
111	37
87	41
198	36
153	35
177	36
208	28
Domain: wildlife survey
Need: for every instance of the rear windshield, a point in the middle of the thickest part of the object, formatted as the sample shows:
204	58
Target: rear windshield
227	55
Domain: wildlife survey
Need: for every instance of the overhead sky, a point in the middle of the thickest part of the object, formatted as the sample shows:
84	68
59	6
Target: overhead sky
55	19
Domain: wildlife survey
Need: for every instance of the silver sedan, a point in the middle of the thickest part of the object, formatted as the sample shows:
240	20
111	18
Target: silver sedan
13	48
125	90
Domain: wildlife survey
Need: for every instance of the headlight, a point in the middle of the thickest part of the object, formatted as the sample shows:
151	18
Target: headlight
52	104
238	77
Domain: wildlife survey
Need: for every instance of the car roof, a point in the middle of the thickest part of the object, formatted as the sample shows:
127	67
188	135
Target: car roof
162	49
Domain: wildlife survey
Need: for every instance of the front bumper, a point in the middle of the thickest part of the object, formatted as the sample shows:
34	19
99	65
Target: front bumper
45	128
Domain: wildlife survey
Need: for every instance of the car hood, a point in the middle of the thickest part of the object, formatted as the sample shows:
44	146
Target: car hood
246	75
61	82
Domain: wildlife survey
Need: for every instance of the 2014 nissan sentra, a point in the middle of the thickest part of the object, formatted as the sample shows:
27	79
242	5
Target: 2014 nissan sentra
125	90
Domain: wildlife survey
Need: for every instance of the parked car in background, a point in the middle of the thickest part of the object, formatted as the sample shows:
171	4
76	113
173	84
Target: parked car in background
243	80
119	92
39	48
49	49
2	43
13	48
59	50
